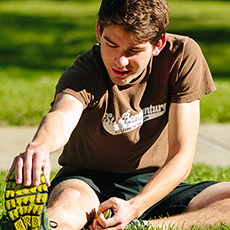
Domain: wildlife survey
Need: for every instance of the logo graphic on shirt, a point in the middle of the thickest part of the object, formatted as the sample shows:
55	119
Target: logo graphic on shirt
128	123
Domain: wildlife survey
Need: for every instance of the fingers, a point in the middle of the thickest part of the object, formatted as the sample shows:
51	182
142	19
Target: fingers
28	167
46	170
17	165
123	214
11	168
110	203
111	223
27	170
96	225
36	168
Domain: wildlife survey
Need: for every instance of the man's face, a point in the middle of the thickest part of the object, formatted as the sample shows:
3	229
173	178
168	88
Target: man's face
123	59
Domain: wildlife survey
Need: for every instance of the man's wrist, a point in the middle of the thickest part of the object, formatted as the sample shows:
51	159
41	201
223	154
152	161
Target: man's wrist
136	207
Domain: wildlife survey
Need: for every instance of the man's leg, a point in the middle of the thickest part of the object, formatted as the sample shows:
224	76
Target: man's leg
210	207
210	195
72	203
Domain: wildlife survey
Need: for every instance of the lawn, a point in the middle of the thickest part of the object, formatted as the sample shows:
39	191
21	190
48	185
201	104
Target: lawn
199	173
208	23
40	39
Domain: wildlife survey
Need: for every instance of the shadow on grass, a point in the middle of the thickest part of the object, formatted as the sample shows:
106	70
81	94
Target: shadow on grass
207	39
5	223
52	42
40	42
213	39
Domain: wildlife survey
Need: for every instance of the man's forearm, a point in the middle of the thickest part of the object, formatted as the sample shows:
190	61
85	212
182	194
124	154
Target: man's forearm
57	126
52	132
162	183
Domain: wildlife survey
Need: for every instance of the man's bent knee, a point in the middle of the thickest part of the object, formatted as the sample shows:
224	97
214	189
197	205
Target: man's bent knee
72	201
72	190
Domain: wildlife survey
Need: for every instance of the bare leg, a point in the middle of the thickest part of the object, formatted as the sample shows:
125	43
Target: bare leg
72	204
210	195
210	207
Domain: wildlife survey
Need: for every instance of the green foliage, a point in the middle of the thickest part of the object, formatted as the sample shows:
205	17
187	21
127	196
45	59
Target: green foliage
40	39
45	35
215	107
200	172
208	23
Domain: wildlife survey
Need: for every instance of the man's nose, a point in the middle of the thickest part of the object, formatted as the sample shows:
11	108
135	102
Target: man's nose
121	60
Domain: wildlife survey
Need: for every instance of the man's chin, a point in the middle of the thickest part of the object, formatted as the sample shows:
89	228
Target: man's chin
120	81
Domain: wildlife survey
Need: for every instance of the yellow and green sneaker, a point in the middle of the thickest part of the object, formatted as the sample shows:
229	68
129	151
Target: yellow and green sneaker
107	214
26	206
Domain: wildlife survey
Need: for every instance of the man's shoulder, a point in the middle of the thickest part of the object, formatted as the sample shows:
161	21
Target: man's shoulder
89	57
176	38
177	42
89	63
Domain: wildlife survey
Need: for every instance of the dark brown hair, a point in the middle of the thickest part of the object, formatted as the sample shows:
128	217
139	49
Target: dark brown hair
145	20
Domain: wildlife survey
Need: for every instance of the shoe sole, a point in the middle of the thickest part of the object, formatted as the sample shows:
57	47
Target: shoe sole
25	205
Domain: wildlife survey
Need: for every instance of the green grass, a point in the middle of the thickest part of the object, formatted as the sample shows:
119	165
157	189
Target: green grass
40	39
208	23
215	107
200	172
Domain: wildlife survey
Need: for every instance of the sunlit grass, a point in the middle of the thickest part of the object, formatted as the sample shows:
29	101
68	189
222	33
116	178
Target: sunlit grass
215	107
200	172
208	23
40	39
24	101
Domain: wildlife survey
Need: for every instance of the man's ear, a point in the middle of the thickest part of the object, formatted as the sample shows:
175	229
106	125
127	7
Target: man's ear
160	45
98	30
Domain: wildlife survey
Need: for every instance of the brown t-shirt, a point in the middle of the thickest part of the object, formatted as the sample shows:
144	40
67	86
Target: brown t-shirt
124	129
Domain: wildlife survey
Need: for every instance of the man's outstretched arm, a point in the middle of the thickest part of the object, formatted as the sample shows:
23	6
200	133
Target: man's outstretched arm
52	134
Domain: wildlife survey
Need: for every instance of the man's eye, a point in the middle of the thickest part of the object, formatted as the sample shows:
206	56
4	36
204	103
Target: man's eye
135	51
111	45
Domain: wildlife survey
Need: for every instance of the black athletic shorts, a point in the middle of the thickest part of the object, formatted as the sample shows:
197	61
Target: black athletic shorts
126	186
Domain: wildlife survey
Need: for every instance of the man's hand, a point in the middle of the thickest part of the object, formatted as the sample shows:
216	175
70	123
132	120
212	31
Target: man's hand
123	214
52	134
28	165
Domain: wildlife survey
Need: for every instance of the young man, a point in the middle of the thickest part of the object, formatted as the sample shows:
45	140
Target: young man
127	112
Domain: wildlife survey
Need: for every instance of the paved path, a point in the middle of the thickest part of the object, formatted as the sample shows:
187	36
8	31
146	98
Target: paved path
14	140
213	146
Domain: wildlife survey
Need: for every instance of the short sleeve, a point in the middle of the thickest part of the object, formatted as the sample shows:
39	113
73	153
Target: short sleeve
85	79
193	78
72	82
